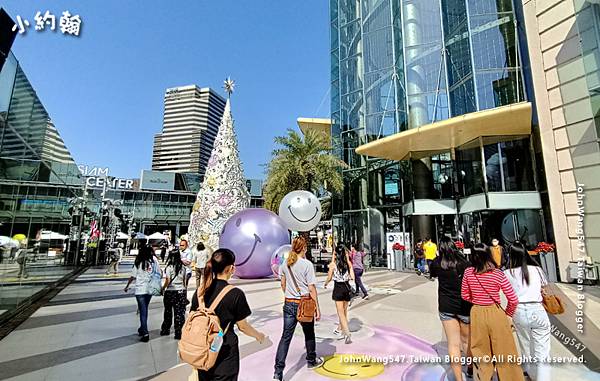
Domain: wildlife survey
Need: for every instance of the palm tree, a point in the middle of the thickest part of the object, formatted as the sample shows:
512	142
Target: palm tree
302	164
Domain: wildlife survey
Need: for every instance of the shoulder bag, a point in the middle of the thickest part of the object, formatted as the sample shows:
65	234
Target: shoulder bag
552	303
308	306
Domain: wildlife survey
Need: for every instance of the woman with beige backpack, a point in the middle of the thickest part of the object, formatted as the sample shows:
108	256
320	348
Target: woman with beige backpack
216	302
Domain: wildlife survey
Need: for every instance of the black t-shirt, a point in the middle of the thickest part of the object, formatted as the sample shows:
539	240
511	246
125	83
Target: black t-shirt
233	308
449	285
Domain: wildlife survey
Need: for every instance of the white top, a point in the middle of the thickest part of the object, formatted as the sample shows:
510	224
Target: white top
186	258
304	272
339	277
177	279
142	278
200	257
526	293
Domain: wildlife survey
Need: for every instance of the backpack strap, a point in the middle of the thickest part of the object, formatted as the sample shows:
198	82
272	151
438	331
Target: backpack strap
220	297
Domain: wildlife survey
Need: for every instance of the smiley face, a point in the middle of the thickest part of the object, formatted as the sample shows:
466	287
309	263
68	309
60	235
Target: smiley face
300	210
253	235
350	367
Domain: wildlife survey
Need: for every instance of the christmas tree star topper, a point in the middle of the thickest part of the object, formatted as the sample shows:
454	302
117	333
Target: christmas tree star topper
229	85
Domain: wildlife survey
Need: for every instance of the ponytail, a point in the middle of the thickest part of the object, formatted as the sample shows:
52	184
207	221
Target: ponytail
298	247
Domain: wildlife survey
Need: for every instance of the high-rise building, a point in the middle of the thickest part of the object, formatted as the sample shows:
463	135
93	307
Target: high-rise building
434	112
191	120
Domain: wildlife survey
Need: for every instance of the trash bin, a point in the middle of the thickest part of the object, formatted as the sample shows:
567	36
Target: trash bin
548	262
399	260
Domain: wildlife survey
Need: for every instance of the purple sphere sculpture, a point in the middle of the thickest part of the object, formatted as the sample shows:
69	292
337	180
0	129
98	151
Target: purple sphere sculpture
253	235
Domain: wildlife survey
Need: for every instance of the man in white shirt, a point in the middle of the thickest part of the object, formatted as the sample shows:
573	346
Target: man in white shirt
186	258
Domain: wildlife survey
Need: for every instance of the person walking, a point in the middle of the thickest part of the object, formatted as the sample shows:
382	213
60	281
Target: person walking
530	320
115	254
200	255
430	251
232	309
297	280
357	260
419	257
186	258
498	254
454	312
21	259
340	270
174	295
491	333
144	266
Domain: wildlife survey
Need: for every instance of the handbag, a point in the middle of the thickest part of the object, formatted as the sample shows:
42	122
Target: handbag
307	309
155	285
551	302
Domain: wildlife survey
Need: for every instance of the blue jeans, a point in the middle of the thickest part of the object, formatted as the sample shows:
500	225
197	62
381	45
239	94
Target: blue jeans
143	301
290	311
421	265
358	280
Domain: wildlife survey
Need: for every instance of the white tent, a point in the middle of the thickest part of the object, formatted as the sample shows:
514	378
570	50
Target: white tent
157	236
121	235
49	236
8	242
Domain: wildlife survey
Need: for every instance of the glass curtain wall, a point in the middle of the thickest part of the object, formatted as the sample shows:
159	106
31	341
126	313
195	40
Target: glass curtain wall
34	195
368	102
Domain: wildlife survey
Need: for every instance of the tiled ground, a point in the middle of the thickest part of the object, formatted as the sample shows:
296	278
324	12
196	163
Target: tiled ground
88	332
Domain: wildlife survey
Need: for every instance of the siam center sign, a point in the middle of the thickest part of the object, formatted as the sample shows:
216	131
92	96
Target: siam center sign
98	177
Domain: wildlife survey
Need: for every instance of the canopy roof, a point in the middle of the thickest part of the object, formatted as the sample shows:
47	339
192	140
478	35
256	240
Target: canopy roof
494	124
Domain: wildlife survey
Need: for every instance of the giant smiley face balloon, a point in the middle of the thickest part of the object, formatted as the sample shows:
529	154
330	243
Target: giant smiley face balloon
253	235
300	210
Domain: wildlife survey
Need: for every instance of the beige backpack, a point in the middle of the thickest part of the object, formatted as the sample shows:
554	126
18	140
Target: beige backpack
198	333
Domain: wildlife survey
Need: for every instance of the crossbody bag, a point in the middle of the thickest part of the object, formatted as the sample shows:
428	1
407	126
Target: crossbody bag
307	309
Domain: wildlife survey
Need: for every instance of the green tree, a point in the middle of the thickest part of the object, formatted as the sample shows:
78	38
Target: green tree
302	163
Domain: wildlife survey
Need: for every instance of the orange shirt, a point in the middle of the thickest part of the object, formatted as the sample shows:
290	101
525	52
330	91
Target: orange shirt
497	255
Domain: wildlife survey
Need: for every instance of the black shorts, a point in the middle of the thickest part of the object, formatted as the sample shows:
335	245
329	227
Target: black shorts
342	292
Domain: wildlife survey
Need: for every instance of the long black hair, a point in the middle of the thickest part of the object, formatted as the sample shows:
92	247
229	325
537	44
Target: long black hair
519	257
219	261
145	257
341	259
481	258
174	259
450	257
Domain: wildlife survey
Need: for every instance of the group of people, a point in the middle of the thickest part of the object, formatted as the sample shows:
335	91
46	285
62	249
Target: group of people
213	271
173	283
478	328
475	323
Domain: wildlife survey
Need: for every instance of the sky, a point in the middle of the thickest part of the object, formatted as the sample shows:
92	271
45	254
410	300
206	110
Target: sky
104	89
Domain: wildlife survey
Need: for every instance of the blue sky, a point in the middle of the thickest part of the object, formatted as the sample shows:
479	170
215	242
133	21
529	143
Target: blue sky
104	90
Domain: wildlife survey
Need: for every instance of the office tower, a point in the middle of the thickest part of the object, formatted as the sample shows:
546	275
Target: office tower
190	124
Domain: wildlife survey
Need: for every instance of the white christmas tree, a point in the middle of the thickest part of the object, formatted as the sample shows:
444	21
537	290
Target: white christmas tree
223	191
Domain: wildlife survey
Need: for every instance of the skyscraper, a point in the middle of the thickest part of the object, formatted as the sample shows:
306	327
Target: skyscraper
190	124
433	112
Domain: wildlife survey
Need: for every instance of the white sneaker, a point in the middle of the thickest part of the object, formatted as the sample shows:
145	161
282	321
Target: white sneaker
347	339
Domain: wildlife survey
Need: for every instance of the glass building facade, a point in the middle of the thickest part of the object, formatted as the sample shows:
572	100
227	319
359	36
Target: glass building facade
45	203
397	65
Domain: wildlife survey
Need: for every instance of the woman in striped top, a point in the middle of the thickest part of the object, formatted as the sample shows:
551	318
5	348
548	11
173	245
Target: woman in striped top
491	334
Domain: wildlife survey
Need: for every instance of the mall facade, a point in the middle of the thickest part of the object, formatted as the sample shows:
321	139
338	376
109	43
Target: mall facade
440	110
50	205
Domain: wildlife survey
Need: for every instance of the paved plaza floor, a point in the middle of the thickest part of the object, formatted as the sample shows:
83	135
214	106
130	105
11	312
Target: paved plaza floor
88	332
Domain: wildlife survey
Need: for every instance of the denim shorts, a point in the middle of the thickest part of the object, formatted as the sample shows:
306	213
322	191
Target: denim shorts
446	316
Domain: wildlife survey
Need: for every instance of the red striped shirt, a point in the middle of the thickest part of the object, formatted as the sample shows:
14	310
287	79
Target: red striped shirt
484	289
